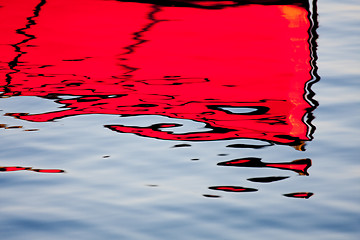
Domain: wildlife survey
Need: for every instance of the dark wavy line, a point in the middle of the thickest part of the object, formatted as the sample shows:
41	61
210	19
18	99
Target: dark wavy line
309	93
138	37
219	4
30	22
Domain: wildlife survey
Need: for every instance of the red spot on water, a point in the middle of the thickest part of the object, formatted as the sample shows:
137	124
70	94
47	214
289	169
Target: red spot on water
48	170
305	195
300	166
233	189
10	169
237	162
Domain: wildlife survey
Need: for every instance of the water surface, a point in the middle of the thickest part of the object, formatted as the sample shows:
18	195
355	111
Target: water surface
181	120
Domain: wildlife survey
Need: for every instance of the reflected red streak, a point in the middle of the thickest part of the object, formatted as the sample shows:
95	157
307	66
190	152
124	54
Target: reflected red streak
48	170
247	56
300	166
167	125
237	162
10	169
299	195
232	189
297	167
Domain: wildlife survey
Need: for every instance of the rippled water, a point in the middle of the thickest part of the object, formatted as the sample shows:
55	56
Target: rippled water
179	120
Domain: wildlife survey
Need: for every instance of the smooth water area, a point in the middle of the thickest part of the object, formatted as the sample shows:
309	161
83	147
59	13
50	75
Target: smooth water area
179	120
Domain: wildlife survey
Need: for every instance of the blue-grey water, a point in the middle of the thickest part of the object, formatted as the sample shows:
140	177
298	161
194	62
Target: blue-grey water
125	186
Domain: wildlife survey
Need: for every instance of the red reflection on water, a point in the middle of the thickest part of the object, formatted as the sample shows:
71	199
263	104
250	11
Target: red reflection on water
305	195
16	168
233	189
12	169
300	166
130	58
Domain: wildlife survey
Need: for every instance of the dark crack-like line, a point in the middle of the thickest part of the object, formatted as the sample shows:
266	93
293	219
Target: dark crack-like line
30	22
138	37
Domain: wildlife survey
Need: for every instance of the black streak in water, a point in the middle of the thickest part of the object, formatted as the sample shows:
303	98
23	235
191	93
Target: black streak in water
181	145
138	38
309	94
304	195
219	4
233	189
266	179
31	22
247	146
